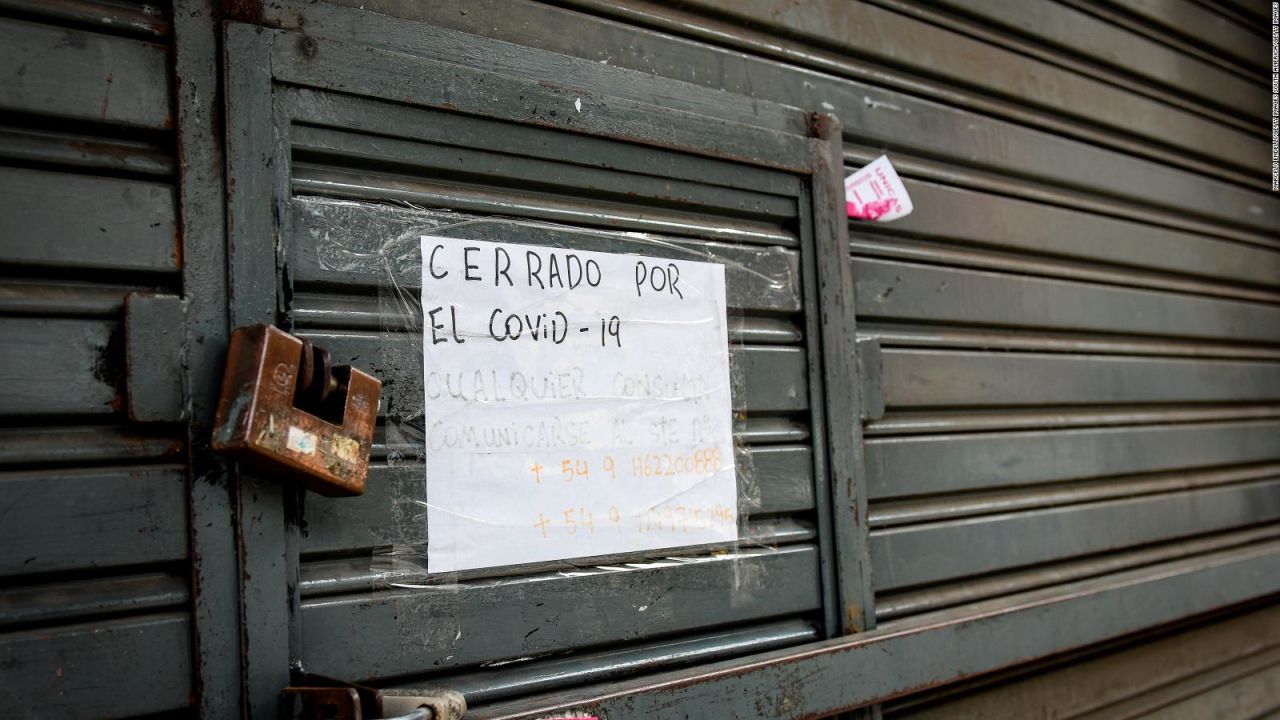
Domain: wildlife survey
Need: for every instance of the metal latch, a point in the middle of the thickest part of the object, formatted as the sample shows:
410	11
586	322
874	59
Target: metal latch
284	409
356	703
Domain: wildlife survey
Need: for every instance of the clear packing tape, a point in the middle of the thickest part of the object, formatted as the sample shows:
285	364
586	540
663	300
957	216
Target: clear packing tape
388	248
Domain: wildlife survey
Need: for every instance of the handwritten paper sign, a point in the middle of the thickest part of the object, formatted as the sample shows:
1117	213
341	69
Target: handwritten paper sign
577	404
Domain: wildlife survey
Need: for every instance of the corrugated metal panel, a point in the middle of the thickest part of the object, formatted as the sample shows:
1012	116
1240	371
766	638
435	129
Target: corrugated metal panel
1226	669
93	541
454	627
1079	325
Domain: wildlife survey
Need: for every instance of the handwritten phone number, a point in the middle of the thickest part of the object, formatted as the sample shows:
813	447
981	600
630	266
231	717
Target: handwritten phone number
670	519
706	461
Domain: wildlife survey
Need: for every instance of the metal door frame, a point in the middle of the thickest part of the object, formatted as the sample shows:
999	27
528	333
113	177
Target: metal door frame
257	60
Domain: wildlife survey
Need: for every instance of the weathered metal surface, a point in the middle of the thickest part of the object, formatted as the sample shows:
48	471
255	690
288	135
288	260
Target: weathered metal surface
337	65
893	605
84	445
841	403
92	518
1122	51
84	76
886	513
1201	26
1029	214
936	378
60	367
943	295
889	118
155	344
1108	682
541	675
111	17
337	243
75	221
214	571
64	601
434	126
267	564
367	635
922	465
891	38
401	565
958	217
129	666
81	150
812	681
918	554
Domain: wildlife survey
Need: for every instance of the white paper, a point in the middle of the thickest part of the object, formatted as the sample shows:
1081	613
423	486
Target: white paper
608	430
875	192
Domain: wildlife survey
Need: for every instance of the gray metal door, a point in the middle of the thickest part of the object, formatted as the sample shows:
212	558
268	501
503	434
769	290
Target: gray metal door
338	154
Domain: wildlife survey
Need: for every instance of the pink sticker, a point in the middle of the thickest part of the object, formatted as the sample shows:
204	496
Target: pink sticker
876	193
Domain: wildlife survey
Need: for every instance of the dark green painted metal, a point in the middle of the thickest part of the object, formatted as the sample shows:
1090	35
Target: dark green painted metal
74	221
268	573
929	464
954	215
485	686
61	602
79	362
390	633
937	378
950	296
155	340
685	593
213	545
842	401
812	681
85	444
336	65
916	555
401	565
1091	684
63	150
896	607
336	243
121	667
443	127
92	518
83	75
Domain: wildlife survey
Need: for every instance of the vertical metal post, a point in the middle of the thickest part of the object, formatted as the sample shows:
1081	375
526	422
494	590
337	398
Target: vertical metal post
268	571
840	368
202	242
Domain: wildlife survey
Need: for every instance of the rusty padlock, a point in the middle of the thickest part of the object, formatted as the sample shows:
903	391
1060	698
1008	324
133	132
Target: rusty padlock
284	410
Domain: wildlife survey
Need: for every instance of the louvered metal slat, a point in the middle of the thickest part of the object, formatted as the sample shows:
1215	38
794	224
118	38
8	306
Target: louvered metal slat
94	612
393	633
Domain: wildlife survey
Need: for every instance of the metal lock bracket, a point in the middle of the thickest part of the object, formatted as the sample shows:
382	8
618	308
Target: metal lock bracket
353	702
285	410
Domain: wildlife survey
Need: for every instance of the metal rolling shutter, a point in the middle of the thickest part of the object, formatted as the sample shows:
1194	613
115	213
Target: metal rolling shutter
1228	669
337	157
1078	329
94	584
